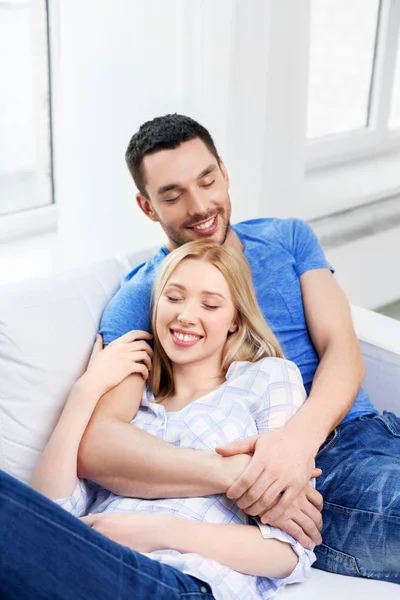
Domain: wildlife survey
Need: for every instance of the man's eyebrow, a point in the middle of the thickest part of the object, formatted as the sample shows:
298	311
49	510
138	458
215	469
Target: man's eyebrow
173	186
207	171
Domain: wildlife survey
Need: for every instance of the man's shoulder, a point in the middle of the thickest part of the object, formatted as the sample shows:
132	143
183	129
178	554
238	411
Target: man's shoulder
268	227
145	271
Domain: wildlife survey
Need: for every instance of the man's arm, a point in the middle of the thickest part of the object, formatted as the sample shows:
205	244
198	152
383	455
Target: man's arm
292	449
132	462
341	369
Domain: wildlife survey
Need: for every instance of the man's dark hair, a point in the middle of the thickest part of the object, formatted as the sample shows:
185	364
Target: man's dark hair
163	133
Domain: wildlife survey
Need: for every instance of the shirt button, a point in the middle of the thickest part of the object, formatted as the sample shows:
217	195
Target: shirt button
203	589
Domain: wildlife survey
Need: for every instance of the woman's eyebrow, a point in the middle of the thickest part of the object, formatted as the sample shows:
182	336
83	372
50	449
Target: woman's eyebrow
207	293
173	284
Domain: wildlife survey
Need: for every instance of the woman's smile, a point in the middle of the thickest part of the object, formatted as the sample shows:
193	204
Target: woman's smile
184	339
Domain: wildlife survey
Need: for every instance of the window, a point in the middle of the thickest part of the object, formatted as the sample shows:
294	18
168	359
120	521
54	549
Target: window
343	37
354	84
25	126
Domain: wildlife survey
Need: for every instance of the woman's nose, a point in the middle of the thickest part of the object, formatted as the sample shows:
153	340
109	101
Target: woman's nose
186	318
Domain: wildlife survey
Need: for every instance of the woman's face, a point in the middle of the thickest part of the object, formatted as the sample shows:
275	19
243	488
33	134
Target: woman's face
195	312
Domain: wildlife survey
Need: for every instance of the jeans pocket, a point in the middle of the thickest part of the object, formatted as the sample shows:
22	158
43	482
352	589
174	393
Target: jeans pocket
333	561
391	422
330	441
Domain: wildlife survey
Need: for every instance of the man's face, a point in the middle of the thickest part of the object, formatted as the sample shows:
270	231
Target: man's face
188	193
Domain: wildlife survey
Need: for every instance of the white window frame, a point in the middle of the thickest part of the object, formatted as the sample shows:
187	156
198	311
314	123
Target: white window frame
376	137
357	168
42	218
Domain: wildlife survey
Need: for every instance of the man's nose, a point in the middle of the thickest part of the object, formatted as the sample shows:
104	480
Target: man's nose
197	204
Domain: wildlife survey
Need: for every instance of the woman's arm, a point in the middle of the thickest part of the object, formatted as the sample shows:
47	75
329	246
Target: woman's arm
240	547
56	473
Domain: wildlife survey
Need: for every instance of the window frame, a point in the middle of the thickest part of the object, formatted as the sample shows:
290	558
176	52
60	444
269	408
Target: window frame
42	217
376	137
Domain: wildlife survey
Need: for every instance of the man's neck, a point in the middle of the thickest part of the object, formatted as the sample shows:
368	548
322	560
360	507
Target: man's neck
232	239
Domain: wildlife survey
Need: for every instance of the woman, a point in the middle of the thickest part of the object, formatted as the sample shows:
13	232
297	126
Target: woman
206	322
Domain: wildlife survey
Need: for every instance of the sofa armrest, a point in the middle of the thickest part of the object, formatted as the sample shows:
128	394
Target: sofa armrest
379	338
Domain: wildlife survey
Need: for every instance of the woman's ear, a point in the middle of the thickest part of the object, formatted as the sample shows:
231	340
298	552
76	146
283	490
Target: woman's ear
233	328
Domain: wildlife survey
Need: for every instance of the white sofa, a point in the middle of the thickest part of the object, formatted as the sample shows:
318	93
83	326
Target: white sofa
47	327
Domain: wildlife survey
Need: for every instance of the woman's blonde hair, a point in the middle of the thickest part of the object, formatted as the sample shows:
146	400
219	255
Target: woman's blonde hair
251	341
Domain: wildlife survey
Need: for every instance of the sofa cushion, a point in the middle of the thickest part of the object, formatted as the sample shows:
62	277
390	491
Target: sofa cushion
47	329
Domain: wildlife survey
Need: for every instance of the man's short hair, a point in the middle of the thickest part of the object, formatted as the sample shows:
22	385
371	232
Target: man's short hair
163	133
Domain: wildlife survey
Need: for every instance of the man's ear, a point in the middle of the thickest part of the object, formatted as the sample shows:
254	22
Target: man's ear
224	171
145	206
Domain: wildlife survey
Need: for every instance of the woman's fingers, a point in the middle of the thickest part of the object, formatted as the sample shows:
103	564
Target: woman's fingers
88	519
141	357
140	368
131	336
139	345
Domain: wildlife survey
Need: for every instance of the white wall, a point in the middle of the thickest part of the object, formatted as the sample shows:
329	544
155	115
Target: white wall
123	62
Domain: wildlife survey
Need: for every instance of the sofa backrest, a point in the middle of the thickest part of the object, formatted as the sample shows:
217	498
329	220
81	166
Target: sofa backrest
47	330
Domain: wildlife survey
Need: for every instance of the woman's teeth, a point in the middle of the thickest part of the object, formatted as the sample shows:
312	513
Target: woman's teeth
185	337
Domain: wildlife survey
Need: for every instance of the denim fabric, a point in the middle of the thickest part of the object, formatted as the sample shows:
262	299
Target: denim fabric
47	554
360	484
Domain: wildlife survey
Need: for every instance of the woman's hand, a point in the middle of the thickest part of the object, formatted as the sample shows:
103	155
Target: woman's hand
124	356
141	532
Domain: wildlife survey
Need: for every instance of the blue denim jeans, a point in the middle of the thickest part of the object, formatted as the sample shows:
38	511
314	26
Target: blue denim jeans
48	554
360	484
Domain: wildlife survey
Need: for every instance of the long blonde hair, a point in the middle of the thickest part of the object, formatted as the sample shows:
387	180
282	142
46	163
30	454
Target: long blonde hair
252	340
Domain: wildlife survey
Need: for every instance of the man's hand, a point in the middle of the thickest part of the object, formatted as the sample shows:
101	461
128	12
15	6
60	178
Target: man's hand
302	519
280	468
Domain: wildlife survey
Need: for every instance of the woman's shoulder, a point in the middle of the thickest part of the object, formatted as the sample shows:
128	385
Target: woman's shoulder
268	369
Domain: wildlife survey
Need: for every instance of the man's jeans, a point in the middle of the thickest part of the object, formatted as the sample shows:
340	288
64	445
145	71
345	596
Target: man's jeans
360	484
47	554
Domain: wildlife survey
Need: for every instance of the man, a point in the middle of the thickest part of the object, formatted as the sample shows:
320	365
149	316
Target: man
183	185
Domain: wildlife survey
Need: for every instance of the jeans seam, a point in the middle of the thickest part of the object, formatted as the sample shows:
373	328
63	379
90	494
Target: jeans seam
329	445
386	420
80	537
348	511
348	557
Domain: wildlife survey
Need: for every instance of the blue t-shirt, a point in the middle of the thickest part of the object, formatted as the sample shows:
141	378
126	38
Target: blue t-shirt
279	251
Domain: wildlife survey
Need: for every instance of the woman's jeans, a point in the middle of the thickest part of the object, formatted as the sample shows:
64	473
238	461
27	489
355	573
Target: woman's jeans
47	554
360	483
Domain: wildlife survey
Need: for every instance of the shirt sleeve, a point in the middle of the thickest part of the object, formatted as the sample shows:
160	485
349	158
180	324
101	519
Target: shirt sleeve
282	396
299	238
81	499
305	557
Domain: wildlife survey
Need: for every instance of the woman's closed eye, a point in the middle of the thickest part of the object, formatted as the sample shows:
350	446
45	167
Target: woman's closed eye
174	298
210	306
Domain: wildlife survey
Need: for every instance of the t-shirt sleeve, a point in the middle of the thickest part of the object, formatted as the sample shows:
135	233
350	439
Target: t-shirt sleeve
299	238
283	395
128	309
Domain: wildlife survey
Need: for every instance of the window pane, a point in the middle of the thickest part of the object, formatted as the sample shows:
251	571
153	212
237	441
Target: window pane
343	34
25	160
394	119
